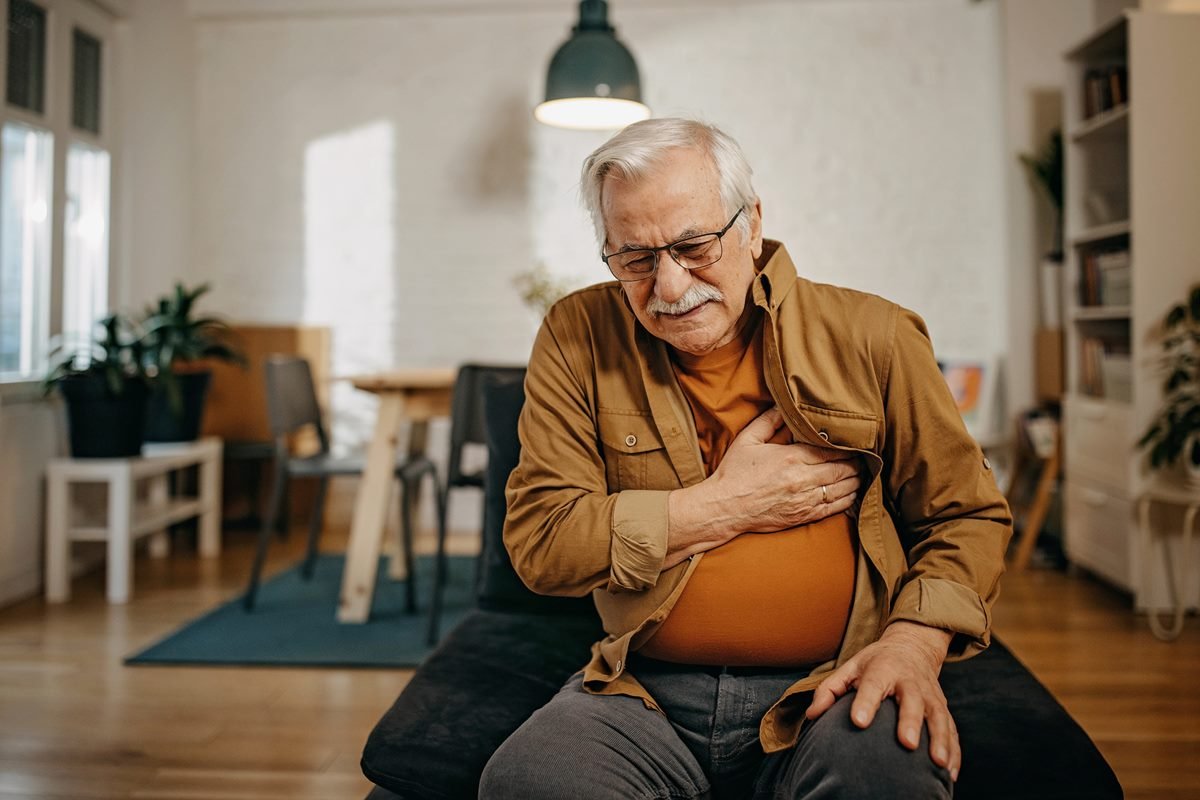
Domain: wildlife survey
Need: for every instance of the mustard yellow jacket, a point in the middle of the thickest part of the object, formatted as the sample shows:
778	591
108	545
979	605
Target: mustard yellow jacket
606	434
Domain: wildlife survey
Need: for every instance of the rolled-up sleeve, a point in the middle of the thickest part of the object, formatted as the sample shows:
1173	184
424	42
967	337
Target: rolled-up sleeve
565	532
639	542
953	521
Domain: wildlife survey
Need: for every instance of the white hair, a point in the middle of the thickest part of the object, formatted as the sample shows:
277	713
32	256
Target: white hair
636	149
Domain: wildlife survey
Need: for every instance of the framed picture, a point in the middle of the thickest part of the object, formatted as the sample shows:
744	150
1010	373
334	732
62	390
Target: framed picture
973	384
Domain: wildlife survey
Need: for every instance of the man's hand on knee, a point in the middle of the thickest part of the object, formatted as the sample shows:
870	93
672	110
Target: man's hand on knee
904	664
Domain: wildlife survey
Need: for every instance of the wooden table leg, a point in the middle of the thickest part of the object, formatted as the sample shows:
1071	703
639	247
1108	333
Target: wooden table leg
370	512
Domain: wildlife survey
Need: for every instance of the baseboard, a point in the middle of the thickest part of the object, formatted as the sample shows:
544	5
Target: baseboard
23	585
16	588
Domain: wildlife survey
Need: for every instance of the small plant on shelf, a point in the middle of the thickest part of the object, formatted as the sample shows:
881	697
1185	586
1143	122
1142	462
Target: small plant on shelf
1175	431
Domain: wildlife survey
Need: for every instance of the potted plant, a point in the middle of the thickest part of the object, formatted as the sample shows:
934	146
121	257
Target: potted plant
1046	169
539	289
105	387
176	343
1175	431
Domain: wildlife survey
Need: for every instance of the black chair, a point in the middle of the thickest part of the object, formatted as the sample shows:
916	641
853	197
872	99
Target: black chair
292	406
513	652
467	426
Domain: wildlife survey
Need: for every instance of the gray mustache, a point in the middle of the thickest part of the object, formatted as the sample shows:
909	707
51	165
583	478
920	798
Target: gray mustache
696	295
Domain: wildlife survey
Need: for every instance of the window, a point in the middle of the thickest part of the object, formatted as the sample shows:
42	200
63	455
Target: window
85	240
26	55
25	189
85	86
55	179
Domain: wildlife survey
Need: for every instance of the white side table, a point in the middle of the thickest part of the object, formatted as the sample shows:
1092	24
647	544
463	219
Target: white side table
1176	584
128	520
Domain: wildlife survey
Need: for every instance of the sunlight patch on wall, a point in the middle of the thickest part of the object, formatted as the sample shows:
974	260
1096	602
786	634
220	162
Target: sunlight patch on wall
349	262
563	237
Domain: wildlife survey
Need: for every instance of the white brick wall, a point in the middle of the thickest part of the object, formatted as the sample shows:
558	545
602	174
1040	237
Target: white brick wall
876	130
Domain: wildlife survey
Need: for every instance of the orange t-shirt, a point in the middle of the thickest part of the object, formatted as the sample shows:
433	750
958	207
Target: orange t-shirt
761	599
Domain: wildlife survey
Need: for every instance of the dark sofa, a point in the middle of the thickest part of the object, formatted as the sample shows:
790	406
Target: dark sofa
512	653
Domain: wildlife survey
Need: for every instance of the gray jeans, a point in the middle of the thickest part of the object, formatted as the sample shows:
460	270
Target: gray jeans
581	746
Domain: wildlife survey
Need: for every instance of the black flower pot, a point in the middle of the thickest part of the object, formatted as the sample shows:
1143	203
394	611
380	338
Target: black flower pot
102	424
166	424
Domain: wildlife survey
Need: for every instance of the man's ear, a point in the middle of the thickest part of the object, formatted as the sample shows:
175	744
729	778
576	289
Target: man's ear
756	238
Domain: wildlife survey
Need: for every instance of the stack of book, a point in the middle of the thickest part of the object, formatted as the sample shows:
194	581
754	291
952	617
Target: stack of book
1104	278
1104	368
1104	88
1091	366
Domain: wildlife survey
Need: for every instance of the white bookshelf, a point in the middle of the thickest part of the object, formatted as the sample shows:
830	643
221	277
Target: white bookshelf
1111	124
1132	180
1101	313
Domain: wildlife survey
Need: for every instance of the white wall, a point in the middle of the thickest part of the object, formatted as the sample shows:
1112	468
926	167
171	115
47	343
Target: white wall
1035	36
29	436
875	127
155	189
380	172
373	164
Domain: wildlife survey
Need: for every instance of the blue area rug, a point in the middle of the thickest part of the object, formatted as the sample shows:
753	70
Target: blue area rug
294	623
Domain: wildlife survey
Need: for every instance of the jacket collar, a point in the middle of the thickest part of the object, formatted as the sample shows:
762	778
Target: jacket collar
776	275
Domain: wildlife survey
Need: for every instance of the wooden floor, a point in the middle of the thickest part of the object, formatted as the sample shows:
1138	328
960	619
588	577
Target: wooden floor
1137	697
76	724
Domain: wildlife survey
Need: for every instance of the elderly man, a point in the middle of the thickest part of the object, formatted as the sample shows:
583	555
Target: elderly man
767	489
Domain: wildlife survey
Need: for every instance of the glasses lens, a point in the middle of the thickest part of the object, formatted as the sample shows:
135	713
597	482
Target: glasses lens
632	264
697	252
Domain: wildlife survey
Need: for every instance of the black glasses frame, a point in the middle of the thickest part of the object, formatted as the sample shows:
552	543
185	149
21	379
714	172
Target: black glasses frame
670	248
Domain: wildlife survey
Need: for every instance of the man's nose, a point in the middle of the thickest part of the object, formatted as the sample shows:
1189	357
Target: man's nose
671	280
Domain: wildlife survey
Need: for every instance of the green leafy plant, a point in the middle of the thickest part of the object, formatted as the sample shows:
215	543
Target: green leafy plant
115	356
174	336
1046	170
540	290
1176	429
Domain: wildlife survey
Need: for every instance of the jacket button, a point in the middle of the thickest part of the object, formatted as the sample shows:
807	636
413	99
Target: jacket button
824	435
620	664
986	463
631	440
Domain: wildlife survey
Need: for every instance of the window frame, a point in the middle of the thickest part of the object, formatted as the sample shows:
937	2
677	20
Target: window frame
62	18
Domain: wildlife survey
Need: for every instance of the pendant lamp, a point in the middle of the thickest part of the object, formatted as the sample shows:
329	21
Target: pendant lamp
592	83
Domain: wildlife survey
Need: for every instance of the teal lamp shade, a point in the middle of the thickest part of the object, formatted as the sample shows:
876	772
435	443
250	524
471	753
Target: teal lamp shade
593	82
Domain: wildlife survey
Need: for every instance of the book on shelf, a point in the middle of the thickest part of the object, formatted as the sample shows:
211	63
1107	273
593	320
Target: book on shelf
1104	368
1104	88
1104	278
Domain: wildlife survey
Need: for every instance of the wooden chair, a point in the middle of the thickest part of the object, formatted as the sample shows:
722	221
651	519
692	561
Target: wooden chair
1047	466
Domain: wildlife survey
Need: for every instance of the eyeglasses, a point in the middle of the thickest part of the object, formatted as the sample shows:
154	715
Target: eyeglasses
694	252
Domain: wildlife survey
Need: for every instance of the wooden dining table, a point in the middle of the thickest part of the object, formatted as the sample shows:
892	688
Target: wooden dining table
412	395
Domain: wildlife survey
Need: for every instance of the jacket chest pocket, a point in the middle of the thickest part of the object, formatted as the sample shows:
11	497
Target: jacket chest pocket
845	429
634	454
